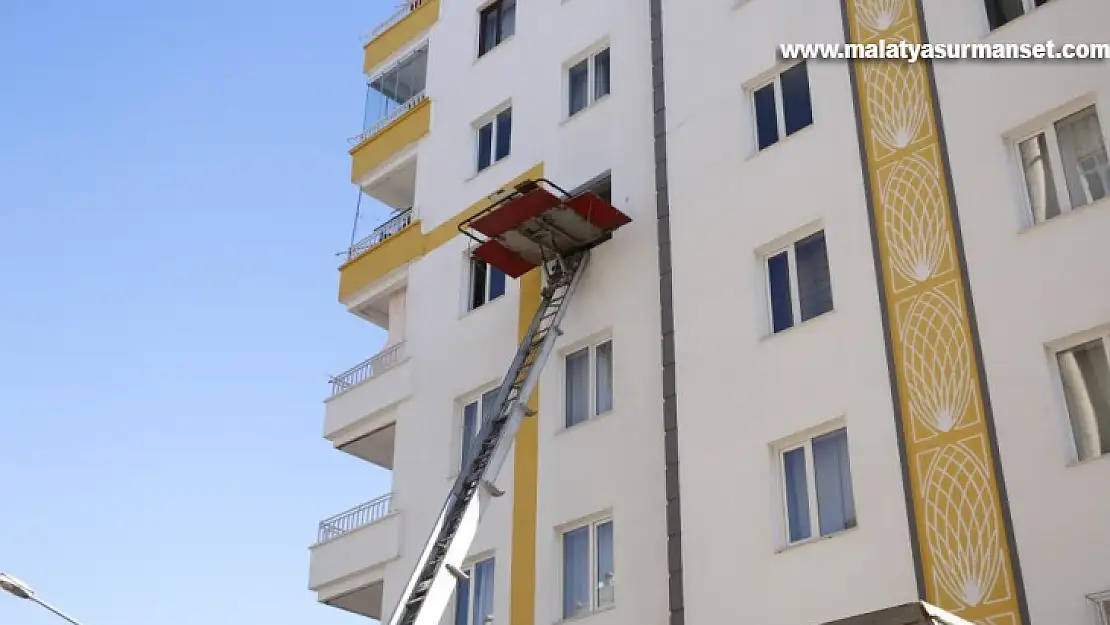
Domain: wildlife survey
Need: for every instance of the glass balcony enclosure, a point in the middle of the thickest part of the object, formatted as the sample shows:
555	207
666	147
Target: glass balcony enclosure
394	91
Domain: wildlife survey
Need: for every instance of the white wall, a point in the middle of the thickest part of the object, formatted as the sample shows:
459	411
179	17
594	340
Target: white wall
1033	287
739	390
615	463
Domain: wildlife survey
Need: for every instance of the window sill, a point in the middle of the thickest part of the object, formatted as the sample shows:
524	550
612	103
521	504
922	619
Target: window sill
501	44
593	612
1075	463
492	302
810	541
589	107
757	152
1099	203
991	33
492	166
594	419
805	324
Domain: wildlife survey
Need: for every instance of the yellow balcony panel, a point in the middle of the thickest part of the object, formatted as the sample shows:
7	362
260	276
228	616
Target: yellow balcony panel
386	255
382	144
402	27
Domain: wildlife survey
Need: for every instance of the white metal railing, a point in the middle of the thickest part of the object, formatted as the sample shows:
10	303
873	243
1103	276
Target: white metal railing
360	516
402	12
387	119
399	221
376	365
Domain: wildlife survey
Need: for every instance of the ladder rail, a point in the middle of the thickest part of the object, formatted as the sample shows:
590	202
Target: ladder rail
432	582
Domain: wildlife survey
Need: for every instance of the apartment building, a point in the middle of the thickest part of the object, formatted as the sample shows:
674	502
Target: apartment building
852	351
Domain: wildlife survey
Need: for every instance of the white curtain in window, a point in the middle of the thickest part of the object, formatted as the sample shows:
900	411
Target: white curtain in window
606	572
483	593
1086	376
604	377
1037	167
576	572
469	429
578	387
462	602
797	494
833	480
1083	151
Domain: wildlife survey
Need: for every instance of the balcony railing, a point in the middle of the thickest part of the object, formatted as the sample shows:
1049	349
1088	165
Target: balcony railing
399	221
387	118
387	359
406	7
359	516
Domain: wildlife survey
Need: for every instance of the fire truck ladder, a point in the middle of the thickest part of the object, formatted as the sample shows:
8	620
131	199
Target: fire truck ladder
529	227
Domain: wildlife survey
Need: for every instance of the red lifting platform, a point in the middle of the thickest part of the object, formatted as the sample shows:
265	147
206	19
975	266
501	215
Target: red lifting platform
532	225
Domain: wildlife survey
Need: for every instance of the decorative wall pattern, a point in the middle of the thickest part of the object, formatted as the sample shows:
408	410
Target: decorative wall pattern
964	556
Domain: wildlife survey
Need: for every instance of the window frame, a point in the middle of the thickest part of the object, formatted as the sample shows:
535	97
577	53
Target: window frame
591	572
590	58
805	441
1046	125
490	119
497	6
1101	335
1027	7
591	347
471	275
789	244
477	399
780	105
469	570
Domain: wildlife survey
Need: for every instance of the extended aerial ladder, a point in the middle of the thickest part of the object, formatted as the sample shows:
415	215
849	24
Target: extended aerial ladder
535	224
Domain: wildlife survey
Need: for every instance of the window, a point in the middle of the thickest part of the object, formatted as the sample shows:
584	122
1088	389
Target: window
1085	375
496	23
474	597
589	382
1104	611
588	571
782	106
487	283
1064	165
471	425
798	284
588	81
1001	12
816	476
495	139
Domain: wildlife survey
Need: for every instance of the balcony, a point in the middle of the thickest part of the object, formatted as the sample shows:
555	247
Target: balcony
410	21
347	563
376	268
397	114
359	416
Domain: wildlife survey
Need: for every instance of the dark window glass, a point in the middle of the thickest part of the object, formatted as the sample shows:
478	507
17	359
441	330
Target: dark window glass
1000	12
766	119
578	87
796	105
496	283
477	284
814	287
485	146
496	23
508	19
601	74
778	275
504	133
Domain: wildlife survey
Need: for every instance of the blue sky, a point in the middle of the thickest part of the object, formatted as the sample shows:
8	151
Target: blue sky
173	186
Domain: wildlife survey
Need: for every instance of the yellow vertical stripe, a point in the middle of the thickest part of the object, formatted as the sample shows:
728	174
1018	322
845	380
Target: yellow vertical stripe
964	546
522	587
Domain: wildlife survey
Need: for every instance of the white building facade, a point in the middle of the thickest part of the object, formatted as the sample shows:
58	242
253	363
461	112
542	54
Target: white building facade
853	351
